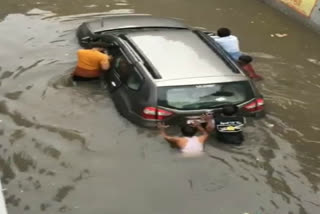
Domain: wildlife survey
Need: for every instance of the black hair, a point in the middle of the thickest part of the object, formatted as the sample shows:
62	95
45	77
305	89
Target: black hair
98	45
188	130
246	59
223	32
229	110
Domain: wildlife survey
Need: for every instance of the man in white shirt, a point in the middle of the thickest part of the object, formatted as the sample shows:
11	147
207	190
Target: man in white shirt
228	42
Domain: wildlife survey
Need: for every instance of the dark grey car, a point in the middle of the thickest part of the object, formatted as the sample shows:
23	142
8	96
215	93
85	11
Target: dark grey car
164	70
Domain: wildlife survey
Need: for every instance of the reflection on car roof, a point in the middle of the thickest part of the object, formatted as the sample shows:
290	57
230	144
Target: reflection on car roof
178	54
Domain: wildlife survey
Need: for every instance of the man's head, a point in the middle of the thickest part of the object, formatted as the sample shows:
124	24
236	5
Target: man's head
244	59
188	131
100	46
223	32
229	110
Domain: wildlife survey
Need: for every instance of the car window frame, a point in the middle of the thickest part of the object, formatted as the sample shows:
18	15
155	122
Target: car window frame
142	79
131	68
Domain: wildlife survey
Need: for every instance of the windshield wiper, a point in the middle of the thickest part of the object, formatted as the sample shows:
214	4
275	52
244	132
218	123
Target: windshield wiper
205	105
219	93
217	106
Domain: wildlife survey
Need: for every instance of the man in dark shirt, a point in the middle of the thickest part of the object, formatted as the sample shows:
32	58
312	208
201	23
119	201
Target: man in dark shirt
228	125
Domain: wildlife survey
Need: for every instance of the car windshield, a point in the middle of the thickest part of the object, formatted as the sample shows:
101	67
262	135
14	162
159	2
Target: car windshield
193	97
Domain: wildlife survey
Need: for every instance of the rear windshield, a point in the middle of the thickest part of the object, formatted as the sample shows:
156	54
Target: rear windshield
194	97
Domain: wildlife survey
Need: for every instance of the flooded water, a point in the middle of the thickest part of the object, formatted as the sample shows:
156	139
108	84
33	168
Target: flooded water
65	149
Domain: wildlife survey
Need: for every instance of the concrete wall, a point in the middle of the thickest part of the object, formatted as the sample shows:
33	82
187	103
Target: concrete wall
3	209
306	11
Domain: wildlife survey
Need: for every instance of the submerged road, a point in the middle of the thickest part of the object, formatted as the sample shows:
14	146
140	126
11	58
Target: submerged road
65	149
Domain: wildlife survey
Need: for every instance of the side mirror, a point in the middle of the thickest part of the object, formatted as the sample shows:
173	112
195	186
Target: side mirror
85	39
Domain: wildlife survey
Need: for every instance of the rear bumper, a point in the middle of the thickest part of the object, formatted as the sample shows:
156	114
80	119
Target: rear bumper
145	123
182	119
179	119
259	114
140	121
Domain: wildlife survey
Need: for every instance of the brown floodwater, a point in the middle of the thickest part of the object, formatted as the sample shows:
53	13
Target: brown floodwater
65	149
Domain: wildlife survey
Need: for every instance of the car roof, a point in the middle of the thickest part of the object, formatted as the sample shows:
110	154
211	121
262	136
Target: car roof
200	80
179	54
132	21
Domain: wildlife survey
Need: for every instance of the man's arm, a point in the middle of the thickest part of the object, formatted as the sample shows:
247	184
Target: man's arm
204	134
105	63
214	37
171	139
210	122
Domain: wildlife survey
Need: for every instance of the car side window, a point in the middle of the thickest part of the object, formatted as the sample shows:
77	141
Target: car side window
128	75
134	80
122	67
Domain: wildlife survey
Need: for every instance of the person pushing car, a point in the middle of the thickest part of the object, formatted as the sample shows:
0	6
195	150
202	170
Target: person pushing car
228	127
92	63
189	142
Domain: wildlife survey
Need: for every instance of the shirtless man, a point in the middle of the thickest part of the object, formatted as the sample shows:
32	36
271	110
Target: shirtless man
189	143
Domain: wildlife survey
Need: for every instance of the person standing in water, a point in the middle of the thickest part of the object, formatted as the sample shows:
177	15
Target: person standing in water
92	63
189	142
228	125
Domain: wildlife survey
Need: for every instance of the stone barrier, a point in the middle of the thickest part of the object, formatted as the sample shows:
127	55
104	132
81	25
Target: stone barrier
3	209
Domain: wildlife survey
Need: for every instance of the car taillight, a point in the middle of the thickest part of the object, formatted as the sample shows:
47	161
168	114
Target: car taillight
256	105
153	113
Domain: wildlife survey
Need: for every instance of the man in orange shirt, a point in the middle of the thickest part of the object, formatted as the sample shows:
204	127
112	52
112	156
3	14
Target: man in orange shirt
91	63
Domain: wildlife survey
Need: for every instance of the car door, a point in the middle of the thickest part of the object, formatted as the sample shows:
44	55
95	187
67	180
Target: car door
125	82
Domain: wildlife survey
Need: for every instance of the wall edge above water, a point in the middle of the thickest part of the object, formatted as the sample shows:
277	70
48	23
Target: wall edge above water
304	11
